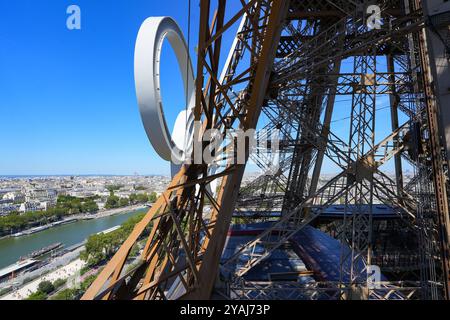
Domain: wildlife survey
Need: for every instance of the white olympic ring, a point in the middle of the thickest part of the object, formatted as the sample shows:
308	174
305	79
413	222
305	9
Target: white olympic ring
151	36
147	59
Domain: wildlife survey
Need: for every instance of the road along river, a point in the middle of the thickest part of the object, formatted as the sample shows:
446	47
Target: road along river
12	249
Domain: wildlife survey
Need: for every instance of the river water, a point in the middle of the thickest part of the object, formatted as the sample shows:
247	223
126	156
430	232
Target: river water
12	249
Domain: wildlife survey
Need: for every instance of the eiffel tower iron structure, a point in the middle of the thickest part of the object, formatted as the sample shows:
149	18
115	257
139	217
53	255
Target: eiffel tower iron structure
295	67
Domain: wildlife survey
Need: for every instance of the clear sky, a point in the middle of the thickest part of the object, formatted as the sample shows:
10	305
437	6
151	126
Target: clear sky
67	98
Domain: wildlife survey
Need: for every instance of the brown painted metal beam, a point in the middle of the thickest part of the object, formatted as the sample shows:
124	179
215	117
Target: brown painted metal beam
230	184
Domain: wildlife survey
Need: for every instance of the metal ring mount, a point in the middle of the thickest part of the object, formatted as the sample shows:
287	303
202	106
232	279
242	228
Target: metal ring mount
151	36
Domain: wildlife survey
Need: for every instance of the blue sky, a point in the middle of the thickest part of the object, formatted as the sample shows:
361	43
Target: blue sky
67	98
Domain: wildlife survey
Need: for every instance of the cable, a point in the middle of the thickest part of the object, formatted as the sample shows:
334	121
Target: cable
343	100
188	65
346	118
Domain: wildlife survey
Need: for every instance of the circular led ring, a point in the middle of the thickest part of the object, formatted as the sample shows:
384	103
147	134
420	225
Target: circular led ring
147	59
151	36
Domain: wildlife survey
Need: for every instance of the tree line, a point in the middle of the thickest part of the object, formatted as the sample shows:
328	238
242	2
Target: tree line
100	247
65	206
114	201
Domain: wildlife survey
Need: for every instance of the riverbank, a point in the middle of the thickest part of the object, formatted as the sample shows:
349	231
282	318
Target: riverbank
66	264
14	249
65	272
74	218
112	212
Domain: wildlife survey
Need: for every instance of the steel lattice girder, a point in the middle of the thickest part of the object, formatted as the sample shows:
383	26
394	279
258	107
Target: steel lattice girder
383	191
185	241
184	244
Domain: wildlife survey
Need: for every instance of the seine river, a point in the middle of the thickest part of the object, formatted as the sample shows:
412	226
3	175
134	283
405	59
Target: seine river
12	249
